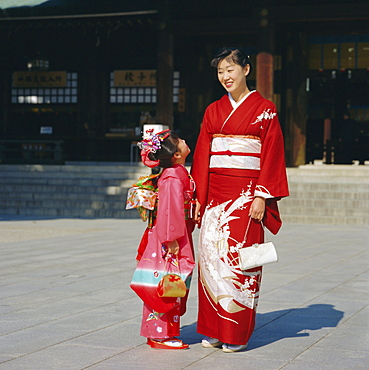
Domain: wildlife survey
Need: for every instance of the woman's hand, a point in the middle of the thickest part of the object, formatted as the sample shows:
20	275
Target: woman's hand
173	247
197	217
257	208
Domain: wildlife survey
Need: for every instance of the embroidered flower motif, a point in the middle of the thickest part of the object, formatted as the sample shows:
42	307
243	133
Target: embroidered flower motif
267	114
218	258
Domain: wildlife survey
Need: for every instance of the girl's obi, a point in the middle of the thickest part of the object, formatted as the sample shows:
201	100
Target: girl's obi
235	151
143	196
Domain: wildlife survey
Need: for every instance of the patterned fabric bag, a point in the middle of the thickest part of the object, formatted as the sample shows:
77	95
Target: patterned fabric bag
171	284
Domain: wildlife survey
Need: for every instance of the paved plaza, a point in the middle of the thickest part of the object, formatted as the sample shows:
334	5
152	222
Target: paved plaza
65	301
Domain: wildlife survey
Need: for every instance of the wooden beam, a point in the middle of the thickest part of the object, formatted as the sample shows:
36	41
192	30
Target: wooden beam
319	13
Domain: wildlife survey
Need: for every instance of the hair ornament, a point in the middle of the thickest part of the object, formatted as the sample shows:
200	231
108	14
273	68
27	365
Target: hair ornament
151	144
153	141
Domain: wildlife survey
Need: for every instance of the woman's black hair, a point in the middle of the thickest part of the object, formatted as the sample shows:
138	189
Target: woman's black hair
169	146
233	55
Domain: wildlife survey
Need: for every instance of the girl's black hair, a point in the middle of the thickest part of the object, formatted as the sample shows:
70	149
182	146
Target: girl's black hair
232	55
169	146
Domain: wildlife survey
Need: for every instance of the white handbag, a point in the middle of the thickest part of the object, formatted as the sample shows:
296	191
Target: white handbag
257	254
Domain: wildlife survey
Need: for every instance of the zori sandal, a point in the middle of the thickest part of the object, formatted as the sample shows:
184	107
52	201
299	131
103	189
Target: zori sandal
171	343
229	348
209	342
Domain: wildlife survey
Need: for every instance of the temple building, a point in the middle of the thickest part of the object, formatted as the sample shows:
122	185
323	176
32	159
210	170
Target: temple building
79	79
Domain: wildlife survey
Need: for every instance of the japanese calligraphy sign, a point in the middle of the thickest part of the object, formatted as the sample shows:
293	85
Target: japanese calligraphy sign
135	77
40	79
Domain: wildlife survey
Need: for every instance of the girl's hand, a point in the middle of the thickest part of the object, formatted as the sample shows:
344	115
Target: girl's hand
197	217
173	247
257	208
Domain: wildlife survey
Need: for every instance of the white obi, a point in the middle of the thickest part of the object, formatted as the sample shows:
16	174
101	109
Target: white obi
235	152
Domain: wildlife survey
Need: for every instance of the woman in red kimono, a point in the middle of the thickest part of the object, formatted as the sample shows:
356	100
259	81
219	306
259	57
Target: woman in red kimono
167	243
240	174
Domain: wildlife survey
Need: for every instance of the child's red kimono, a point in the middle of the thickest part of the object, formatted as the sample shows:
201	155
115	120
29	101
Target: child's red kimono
239	155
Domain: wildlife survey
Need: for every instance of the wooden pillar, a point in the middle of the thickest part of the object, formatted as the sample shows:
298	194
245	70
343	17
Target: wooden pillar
4	106
164	104
296	99
265	75
264	58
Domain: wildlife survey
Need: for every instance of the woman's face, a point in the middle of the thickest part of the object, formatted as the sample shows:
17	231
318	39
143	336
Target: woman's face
233	77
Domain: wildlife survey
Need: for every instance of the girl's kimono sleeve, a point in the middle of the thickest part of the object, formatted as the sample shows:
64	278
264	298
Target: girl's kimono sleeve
201	160
170	223
272	182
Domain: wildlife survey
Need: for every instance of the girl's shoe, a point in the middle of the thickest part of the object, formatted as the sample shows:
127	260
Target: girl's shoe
209	342
229	348
170	343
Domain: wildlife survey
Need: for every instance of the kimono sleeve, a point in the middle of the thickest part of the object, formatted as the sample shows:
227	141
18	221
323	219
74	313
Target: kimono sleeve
170	222
273	177
272	181
201	160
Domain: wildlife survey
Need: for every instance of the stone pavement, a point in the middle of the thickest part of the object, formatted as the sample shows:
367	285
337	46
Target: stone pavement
65	301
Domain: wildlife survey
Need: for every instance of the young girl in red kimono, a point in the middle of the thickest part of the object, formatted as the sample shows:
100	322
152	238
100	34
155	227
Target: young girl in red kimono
240	174
169	241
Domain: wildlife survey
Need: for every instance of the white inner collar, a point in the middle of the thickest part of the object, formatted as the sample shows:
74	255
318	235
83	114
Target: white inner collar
234	104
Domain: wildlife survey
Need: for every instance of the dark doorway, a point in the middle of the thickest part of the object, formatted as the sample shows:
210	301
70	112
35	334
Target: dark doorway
338	111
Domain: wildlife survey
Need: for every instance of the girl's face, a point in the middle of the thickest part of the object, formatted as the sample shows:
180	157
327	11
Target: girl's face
183	148
233	77
182	153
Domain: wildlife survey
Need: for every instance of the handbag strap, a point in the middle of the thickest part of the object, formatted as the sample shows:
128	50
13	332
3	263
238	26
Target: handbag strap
247	230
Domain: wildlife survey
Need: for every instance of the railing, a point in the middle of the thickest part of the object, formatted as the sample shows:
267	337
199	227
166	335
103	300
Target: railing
31	151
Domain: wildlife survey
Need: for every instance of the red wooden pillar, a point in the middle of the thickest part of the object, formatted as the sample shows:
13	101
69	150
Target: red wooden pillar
265	74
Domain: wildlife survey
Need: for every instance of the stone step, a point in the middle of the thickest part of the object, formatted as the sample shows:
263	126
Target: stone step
328	179
324	208
327	174
327	195
70	212
82	182
332	187
118	196
81	190
322	195
62	203
69	171
65	189
319	194
330	170
323	220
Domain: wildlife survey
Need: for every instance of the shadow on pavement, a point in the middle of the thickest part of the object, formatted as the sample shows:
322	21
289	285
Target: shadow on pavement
293	323
277	325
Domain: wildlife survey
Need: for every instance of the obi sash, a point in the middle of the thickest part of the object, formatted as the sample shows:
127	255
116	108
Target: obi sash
235	151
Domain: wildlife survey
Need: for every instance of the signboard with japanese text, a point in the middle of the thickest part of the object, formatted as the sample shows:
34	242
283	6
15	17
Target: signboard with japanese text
40	79
135	78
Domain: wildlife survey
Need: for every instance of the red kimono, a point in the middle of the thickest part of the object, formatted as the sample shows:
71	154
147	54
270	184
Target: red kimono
239	155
